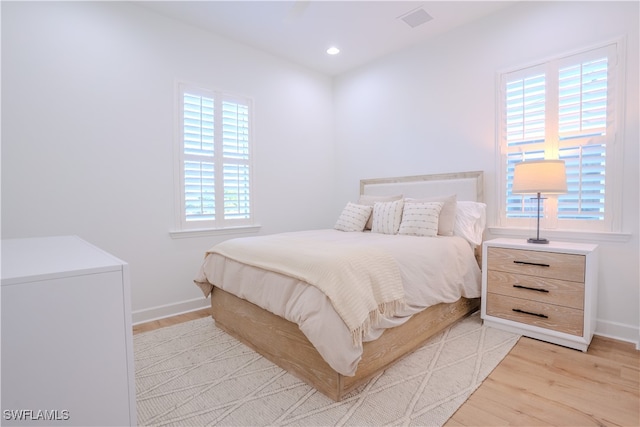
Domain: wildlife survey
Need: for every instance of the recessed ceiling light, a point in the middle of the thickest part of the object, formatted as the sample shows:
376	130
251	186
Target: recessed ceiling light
333	50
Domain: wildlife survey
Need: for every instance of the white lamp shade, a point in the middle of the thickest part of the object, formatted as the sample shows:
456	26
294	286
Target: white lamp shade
540	176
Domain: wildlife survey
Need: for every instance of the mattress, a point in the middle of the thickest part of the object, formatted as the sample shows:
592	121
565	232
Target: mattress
433	270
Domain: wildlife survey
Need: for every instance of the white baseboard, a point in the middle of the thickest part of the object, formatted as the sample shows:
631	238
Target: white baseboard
168	310
618	331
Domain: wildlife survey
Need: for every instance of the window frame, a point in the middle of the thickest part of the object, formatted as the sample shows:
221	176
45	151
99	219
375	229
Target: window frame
613	167
220	224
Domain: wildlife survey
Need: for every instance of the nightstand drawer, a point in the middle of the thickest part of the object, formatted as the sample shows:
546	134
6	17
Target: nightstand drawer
549	291
548	316
537	263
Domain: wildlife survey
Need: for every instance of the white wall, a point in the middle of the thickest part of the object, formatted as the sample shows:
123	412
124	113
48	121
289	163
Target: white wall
88	126
433	107
88	122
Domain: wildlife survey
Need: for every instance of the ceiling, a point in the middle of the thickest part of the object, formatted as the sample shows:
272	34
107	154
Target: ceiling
302	30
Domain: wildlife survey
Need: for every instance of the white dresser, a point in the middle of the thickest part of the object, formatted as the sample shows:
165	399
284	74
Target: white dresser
67	345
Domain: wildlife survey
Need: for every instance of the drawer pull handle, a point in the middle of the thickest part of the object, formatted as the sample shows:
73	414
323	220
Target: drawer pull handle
517	310
531	289
532	263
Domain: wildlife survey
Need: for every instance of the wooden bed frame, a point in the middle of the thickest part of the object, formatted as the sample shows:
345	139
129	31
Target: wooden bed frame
282	342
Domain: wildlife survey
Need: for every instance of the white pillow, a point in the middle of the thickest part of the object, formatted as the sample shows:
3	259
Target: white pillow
353	217
387	217
471	218
365	199
420	219
447	214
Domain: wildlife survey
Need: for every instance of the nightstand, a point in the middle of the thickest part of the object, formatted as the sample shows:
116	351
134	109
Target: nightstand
543	291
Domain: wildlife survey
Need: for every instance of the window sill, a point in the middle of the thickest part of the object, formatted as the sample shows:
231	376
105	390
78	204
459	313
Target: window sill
589	236
204	232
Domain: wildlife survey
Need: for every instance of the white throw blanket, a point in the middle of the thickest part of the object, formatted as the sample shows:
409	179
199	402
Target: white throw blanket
361	282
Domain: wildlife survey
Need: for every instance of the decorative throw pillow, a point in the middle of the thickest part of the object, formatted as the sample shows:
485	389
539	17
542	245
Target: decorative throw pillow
471	218
387	217
365	199
447	219
353	217
420	219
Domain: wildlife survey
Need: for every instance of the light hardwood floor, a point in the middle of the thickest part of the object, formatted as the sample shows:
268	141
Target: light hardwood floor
162	323
542	384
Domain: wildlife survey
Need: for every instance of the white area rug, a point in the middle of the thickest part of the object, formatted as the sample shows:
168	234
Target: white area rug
195	374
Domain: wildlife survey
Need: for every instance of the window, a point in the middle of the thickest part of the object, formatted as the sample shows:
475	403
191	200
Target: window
564	108
214	152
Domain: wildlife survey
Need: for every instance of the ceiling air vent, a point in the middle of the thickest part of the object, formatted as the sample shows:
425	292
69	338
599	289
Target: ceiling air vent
416	17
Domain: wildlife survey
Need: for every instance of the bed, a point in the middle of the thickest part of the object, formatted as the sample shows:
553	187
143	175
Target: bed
299	315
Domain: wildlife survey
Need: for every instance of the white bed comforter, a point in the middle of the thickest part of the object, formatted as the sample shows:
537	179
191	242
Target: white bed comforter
433	270
375	286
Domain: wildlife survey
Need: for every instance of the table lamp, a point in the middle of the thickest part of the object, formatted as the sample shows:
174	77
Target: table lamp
537	177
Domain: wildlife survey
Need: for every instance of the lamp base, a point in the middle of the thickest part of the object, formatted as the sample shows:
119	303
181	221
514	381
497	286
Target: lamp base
534	240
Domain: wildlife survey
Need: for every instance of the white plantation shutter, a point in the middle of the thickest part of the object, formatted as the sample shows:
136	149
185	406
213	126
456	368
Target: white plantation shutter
524	129
235	152
198	162
215	165
585	127
563	108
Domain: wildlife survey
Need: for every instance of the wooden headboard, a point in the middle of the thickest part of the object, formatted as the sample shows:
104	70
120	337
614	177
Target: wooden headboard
466	185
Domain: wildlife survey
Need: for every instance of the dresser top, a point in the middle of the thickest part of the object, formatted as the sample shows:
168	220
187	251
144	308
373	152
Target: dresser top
552	246
44	258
